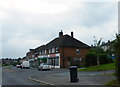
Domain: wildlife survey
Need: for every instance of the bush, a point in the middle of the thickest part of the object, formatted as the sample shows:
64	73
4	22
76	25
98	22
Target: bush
91	59
104	59
5	64
15	63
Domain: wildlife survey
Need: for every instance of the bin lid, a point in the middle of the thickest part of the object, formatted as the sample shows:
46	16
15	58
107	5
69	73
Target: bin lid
72	67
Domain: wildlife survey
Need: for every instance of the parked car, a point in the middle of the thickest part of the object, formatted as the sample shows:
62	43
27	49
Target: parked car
18	66
44	66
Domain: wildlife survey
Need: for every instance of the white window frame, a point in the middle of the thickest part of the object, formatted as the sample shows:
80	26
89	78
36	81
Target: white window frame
53	50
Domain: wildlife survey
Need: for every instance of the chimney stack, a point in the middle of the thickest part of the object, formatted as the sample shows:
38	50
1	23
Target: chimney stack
72	34
60	34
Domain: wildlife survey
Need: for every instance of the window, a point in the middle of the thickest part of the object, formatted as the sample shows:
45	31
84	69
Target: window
49	51
53	50
56	49
45	51
78	51
77	59
40	52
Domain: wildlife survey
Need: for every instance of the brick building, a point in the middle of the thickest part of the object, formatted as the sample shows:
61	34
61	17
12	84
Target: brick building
61	52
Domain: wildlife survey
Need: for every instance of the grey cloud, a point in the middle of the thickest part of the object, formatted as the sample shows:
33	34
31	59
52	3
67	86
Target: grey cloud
30	27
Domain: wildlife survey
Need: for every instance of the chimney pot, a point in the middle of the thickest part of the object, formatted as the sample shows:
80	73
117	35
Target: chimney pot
72	34
60	34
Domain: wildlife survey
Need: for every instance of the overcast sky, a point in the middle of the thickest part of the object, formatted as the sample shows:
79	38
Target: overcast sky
27	24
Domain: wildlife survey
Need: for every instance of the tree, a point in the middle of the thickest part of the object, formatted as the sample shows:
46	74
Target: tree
117	51
97	49
96	55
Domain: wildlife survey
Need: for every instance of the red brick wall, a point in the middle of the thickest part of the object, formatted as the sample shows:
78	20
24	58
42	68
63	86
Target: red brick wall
71	52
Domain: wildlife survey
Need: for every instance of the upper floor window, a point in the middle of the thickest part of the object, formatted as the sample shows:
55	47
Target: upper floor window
78	51
56	49
53	50
49	50
40	53
45	51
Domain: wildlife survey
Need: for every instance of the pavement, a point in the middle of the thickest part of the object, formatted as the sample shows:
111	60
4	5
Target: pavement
85	78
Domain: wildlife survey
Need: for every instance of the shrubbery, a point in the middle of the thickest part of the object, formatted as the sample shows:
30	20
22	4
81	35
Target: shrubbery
5	64
105	59
91	59
15	63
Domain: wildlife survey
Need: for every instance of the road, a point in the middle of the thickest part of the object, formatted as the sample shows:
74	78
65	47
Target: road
16	76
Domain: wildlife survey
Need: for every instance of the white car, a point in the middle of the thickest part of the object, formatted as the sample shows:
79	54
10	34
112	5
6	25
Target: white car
44	66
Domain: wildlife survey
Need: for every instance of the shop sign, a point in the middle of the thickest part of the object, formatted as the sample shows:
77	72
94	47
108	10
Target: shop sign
30	59
54	55
44	56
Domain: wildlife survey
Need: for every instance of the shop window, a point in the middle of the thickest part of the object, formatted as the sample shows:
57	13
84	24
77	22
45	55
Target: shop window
57	61
78	51
53	61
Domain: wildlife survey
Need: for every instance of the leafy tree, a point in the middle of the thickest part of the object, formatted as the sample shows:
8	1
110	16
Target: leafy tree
97	49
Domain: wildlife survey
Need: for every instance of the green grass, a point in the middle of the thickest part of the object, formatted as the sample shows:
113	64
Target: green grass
104	67
113	83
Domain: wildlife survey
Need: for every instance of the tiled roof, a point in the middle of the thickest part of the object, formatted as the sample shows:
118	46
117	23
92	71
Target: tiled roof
66	41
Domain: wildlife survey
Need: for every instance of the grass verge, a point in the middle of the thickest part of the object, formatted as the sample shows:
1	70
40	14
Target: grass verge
104	67
113	83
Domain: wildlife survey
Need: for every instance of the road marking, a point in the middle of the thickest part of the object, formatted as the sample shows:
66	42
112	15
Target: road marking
39	81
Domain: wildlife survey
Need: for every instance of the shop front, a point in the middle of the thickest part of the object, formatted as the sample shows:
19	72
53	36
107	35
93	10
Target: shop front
42	59
51	59
54	60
